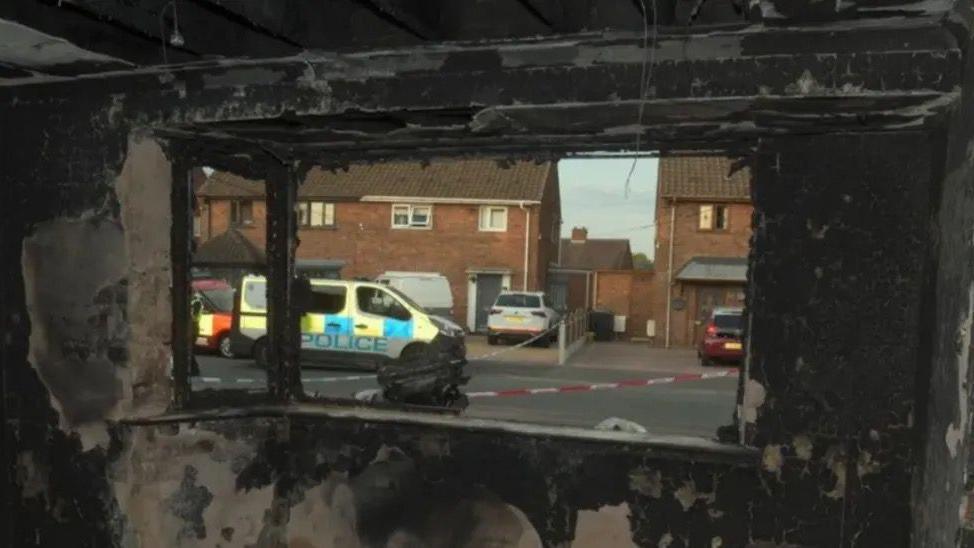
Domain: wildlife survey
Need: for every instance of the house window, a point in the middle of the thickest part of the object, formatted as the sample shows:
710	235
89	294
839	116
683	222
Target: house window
316	214
713	217
241	212
412	216
493	219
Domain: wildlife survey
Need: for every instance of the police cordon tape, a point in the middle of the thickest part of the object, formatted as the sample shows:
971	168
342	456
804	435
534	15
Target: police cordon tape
628	383
496	353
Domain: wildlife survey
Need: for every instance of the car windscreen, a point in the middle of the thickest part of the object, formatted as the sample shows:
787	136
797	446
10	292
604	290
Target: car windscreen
728	321
514	300
220	299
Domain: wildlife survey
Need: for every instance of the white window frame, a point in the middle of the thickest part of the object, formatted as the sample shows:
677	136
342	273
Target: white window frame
709	211
411	213
483	223
305	207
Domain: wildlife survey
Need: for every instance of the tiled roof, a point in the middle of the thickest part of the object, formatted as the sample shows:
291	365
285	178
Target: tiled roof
229	249
453	179
703	177
596	254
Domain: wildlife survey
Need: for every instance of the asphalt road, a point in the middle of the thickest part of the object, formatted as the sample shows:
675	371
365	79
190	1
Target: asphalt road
689	406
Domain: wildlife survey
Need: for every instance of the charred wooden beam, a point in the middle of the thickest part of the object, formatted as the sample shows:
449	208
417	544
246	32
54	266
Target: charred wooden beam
419	17
201	30
283	330
90	31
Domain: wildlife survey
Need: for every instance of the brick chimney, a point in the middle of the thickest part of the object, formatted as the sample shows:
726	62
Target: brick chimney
579	234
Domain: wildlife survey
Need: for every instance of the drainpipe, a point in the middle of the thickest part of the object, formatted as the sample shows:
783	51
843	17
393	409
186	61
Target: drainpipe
559	243
527	242
588	293
669	272
595	289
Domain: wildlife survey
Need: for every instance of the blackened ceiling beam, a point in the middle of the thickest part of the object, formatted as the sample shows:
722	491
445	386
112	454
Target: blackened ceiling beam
419	17
548	12
89	31
831	78
202	29
335	25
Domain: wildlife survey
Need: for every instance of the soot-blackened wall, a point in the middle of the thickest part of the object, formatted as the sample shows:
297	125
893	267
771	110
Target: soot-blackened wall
847	271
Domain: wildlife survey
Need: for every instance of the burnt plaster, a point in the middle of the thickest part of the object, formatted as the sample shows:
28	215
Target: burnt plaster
834	384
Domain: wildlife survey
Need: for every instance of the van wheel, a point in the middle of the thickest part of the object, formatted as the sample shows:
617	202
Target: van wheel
223	345
416	353
260	353
491	340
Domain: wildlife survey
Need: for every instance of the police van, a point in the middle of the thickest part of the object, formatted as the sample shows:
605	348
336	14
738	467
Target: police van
349	323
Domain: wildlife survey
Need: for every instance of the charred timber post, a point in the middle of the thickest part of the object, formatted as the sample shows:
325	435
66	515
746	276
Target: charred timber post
283	329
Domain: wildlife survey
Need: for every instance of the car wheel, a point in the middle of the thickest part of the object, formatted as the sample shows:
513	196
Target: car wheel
260	353
223	345
705	361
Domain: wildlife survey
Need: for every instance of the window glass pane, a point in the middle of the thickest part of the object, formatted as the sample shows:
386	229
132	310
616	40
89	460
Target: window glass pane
517	300
329	214
218	300
327	299
303	214
372	300
498	217
728	321
421	215
255	295
706	217
400	216
247	212
720	217
317	213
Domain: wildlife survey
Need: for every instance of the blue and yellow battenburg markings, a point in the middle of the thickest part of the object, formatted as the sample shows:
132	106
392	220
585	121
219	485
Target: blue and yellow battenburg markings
333	332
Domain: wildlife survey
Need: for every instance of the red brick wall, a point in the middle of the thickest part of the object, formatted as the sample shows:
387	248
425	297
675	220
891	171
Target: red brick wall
216	221
364	238
627	293
689	242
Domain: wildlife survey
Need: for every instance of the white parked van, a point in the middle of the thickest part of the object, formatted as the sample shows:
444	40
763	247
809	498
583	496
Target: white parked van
431	290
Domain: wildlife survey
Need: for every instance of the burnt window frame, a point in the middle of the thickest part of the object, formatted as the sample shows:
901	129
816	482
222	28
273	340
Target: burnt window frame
284	384
283	329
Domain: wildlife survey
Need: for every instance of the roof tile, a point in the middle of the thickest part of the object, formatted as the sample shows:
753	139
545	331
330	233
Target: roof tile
596	254
703	177
453	179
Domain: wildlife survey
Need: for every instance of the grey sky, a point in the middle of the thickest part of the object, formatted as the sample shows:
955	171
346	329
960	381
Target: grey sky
593	195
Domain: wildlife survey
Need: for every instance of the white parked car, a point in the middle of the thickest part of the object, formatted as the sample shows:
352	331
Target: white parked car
522	315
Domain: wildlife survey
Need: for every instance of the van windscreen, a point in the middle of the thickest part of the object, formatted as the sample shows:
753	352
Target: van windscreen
514	300
221	300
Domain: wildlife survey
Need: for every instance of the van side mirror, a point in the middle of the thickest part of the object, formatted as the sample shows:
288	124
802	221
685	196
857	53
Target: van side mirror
301	294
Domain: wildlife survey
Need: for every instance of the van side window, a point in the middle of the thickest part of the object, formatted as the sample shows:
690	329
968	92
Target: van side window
373	300
327	299
255	295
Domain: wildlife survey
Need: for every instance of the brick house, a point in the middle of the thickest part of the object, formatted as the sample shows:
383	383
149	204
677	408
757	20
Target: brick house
484	226
572	277
703	232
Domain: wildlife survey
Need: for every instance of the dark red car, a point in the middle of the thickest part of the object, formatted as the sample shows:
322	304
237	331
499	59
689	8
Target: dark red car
723	341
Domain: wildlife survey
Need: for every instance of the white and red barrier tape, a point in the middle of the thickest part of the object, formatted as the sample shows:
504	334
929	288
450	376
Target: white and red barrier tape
630	383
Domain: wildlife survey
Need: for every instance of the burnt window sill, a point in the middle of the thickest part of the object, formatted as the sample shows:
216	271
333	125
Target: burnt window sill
684	448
